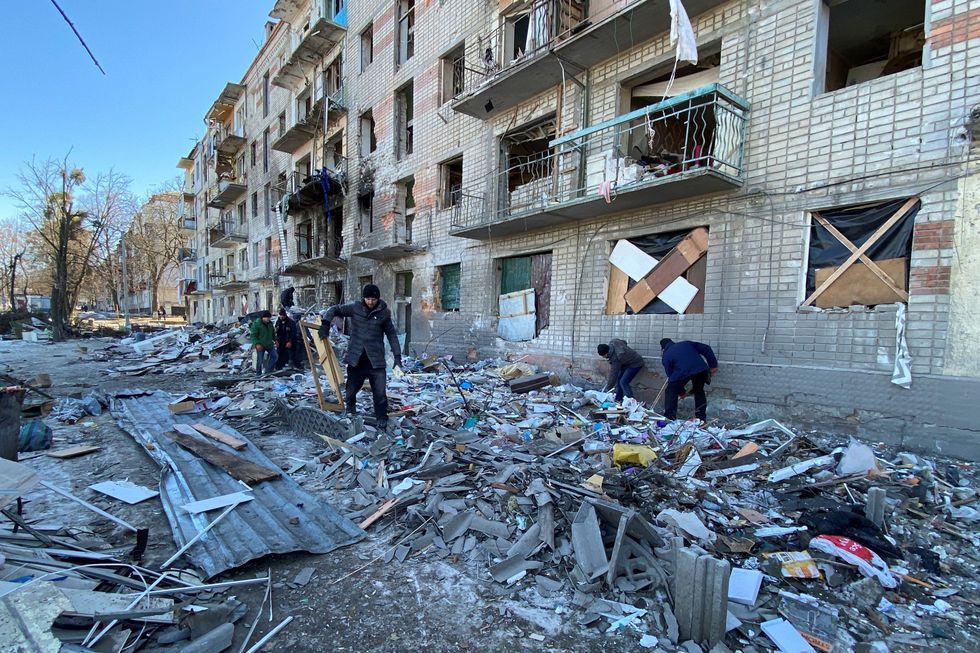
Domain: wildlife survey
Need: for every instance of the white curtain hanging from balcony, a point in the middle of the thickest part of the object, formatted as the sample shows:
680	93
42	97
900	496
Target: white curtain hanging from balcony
537	29
681	84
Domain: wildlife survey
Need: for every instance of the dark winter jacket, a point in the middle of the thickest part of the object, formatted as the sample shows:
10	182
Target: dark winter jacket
286	330
262	333
367	331
684	359
621	357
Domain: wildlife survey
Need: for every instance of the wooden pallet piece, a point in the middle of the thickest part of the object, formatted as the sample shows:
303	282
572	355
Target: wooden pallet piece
688	252
220	436
73	452
327	360
242	469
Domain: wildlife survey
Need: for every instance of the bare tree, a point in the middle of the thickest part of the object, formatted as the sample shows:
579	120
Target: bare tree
13	250
69	226
154	238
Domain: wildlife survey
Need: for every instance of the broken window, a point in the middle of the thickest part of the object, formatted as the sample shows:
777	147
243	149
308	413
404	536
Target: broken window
268	204
403	306
265	95
243	260
334	75
265	150
369	141
406	198
525	296
254	148
531	29
255	205
255	260
242	214
453	74
405	120
662	273
527	164
282	123
334	151
452	182
449	278
859	255
365	202
860	41
367	47
405	41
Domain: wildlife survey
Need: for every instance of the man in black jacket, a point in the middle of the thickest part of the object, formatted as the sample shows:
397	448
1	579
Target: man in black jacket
365	359
624	364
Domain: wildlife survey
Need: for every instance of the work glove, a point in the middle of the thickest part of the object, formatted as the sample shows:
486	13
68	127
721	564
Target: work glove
398	363
289	345
259	347
324	330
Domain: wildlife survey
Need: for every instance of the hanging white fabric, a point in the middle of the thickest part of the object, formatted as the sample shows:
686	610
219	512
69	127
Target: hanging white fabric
682	34
537	29
902	374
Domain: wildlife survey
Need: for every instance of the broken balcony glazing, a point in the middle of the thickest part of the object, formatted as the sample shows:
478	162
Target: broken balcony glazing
543	43
327	27
686	146
392	239
227	233
225	192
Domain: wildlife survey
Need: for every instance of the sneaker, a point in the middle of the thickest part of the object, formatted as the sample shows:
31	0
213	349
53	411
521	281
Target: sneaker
382	427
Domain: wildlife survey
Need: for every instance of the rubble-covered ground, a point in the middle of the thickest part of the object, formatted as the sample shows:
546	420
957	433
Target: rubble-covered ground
493	514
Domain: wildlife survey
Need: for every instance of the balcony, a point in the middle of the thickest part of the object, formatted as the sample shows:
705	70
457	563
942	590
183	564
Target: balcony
186	254
311	190
230	282
326	30
227	234
230	141
501	74
388	242
312	259
303	129
225	192
338	100
697	150
222	107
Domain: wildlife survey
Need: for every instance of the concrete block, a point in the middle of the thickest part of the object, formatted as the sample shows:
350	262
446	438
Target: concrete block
875	507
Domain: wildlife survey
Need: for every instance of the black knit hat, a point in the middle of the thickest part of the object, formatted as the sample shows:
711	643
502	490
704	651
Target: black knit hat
602	349
370	291
665	342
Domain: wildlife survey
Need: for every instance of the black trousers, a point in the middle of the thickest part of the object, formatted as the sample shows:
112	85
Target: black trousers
675	388
356	375
292	356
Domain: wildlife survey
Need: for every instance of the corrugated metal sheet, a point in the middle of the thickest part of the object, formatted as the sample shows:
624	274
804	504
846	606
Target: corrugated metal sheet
254	529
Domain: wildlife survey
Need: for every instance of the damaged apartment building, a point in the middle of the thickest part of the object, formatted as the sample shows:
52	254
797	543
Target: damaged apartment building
506	171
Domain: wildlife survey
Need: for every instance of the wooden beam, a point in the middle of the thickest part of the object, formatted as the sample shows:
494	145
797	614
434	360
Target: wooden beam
885	279
241	468
220	436
309	356
328	361
379	513
856	254
616	294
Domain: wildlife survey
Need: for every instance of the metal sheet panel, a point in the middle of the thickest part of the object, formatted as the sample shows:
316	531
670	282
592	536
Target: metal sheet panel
252	530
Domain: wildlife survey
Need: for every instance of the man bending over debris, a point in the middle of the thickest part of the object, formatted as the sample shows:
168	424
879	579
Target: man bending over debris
365	359
263	336
685	361
624	364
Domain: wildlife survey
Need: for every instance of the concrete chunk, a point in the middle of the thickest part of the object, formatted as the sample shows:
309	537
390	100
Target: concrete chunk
590	553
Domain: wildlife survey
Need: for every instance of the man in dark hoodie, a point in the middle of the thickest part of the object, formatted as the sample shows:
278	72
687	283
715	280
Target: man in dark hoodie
624	364
370	324
684	362
288	343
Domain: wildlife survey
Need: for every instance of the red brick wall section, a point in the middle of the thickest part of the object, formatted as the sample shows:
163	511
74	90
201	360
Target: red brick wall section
955	29
932	280
933	235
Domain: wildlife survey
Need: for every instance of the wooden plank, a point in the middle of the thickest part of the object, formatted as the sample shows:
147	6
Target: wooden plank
220	436
678	260
309	357
859	285
616	294
385	507
875	237
541	282
697	275
242	469
73	452
889	280
328	361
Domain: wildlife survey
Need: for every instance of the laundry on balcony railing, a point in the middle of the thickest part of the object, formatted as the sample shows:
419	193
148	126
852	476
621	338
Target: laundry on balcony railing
303	191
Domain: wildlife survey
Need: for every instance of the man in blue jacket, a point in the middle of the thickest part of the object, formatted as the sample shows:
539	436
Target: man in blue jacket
370	324
687	361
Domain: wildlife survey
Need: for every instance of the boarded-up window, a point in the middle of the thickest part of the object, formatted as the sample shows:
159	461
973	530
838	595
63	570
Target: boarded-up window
660	246
859	255
449	287
530	272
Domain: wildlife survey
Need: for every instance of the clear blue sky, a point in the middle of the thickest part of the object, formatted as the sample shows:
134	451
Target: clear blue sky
166	61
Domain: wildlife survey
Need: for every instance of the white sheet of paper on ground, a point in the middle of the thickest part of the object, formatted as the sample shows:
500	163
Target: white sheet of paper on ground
743	586
679	294
214	503
124	491
632	260
786	637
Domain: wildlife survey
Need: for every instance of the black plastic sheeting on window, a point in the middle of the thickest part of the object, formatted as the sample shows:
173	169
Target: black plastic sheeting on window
857	224
657	246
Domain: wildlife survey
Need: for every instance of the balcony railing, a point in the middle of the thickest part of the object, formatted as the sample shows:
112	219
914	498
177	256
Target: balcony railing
185	254
686	146
230	139
230	282
227	233
392	241
561	40
326	184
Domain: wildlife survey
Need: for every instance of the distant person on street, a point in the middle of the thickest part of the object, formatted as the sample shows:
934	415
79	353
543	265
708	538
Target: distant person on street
687	361
624	365
263	336
286	297
161	313
288	344
370	324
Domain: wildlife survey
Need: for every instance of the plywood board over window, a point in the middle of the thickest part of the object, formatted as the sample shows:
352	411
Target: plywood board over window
859	255
673	267
533	272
